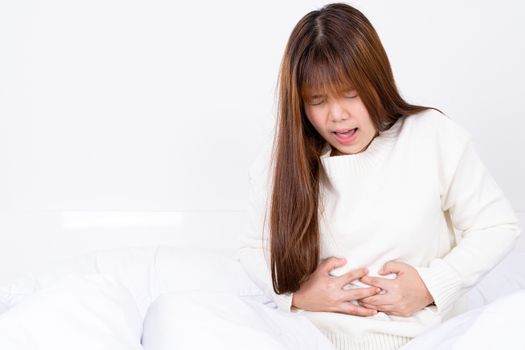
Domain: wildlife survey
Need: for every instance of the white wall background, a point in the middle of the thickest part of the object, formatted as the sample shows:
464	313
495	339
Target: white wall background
135	122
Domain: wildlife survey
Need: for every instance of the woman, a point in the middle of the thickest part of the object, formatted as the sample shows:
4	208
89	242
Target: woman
356	205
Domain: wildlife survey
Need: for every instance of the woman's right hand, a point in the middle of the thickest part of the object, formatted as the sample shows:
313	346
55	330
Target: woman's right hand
323	292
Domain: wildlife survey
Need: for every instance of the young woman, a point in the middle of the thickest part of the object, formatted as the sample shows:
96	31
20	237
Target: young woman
356	205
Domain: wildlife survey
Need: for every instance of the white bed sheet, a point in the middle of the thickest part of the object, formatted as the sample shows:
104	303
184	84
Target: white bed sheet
102	300
204	320
188	299
497	325
81	312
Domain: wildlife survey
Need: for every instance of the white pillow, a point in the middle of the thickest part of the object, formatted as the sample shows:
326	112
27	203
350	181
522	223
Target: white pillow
81	312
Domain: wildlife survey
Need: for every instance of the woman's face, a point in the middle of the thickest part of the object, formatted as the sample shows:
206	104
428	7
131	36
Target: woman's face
343	121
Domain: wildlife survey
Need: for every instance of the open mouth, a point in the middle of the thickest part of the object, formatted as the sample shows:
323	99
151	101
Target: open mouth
346	137
346	133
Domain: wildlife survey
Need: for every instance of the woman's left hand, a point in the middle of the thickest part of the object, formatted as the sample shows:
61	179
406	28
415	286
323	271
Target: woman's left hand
402	296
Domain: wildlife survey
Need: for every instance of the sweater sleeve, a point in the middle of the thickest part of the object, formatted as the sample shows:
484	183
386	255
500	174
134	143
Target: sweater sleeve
254	251
478	209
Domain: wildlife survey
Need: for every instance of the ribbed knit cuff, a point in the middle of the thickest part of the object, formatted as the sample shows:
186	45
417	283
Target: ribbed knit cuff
284	301
443	283
372	341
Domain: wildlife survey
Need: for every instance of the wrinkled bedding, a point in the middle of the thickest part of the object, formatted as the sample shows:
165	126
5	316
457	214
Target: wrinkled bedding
158	298
92	311
497	325
203	320
182	299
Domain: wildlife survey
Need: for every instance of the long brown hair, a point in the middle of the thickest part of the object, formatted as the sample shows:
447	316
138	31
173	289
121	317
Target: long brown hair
329	50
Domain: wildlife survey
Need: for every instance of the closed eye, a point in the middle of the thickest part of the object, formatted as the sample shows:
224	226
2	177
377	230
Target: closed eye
319	100
351	94
316	102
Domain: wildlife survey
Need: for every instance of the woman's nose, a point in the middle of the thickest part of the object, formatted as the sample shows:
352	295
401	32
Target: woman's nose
337	112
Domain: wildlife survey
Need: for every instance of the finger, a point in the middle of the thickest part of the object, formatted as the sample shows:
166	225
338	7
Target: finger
369	306
393	310
381	308
353	275
383	283
331	263
396	267
377	300
360	293
352	309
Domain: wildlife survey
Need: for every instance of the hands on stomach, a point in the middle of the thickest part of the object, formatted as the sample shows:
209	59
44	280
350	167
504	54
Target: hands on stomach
401	296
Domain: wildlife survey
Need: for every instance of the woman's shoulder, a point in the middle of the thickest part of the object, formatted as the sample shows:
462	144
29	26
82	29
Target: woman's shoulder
434	124
434	135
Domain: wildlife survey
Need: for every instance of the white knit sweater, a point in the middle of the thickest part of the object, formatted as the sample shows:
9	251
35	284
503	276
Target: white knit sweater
415	189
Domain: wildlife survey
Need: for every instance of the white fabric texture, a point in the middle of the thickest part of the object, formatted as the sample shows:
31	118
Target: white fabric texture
93	311
497	325
205	320
146	272
403	198
204	299
102	299
133	267
506	278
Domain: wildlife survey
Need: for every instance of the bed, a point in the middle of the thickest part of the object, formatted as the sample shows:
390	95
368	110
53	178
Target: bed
163	297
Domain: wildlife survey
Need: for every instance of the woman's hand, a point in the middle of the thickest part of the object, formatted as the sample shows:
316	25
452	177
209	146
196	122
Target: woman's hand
323	292
402	296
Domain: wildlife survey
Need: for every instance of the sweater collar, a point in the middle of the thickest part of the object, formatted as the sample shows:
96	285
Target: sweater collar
373	155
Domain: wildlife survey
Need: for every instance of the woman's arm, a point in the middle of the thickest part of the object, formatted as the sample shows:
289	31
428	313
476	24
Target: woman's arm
488	225
477	208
